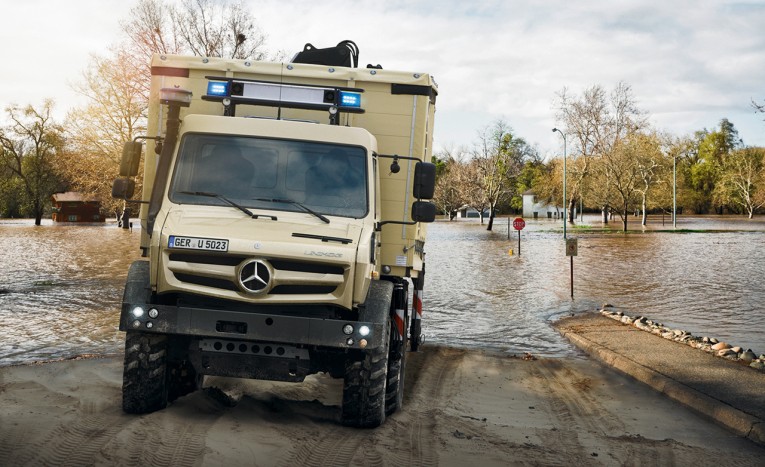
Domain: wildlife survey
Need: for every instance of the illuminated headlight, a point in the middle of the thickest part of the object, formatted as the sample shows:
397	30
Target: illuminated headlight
138	312
364	331
347	329
153	313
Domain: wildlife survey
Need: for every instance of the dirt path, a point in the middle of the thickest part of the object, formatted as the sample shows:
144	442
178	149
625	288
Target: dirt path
461	407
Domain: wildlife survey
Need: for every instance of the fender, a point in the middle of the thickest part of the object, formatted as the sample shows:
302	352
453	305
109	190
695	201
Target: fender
376	308
137	289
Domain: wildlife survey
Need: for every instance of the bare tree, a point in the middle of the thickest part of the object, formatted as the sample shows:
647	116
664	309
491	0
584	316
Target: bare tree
448	196
743	180
619	169
29	148
499	157
651	168
597	122
208	28
117	85
115	113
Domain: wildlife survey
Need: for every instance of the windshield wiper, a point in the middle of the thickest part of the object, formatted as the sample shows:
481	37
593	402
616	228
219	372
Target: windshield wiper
223	198
293	202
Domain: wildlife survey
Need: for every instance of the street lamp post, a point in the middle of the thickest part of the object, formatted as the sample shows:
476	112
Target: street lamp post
674	191
565	220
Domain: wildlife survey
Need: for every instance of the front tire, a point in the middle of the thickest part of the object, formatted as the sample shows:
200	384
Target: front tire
144	376
364	388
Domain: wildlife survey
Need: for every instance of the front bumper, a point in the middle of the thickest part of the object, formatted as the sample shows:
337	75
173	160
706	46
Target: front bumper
256	327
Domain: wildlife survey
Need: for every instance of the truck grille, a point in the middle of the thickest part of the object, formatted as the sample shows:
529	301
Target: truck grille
289	277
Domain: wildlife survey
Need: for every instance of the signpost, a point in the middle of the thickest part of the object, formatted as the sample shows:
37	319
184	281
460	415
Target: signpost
519	224
571	250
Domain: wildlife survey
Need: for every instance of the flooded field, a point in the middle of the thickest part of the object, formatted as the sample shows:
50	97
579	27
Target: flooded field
60	286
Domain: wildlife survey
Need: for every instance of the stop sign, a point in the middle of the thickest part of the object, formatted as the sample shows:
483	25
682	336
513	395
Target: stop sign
519	223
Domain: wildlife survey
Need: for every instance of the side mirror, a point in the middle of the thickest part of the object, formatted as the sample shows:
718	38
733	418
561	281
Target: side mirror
131	157
424	181
423	211
123	188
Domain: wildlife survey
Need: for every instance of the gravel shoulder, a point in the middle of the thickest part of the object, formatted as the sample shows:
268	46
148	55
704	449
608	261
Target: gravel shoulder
460	406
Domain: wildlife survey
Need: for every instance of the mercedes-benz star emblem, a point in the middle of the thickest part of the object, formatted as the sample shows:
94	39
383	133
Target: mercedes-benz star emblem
254	276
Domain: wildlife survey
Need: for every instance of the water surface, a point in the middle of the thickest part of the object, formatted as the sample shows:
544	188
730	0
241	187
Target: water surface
61	285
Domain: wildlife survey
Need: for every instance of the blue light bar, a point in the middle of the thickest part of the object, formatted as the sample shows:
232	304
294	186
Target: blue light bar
350	99
217	88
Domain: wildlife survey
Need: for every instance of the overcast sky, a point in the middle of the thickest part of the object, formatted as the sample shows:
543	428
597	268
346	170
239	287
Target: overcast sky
690	63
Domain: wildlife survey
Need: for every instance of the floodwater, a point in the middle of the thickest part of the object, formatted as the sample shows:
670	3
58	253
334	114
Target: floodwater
61	285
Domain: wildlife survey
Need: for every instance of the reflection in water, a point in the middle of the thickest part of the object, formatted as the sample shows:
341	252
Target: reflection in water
705	283
61	286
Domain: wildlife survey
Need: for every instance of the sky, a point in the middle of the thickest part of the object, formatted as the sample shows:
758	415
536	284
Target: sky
690	63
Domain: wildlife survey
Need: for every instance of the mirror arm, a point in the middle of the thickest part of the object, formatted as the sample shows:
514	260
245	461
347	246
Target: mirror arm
394	156
379	225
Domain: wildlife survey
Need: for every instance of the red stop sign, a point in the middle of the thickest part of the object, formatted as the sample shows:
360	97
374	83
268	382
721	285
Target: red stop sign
518	223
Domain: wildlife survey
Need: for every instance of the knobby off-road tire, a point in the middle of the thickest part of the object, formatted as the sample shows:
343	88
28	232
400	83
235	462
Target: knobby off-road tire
366	377
144	377
394	390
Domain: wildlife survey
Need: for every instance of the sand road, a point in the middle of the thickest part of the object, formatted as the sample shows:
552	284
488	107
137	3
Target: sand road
462	407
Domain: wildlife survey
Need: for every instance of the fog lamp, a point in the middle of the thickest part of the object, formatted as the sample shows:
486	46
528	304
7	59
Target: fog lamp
386	269
349	341
136	324
347	329
153	313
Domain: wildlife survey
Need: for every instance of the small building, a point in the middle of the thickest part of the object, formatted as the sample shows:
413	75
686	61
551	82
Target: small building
533	208
73	207
466	212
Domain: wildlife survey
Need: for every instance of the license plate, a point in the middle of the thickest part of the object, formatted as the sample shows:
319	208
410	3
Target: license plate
195	243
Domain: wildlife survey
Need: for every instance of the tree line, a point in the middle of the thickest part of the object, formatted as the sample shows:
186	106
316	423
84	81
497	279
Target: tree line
616	164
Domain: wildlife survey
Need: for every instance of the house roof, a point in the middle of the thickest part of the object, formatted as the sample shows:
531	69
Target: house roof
71	196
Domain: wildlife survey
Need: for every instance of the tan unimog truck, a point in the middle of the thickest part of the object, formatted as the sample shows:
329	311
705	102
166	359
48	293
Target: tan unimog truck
282	221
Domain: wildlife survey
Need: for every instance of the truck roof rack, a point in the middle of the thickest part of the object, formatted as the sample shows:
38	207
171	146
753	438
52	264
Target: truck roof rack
345	53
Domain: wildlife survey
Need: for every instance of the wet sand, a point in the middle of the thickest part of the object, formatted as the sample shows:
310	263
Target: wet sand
461	407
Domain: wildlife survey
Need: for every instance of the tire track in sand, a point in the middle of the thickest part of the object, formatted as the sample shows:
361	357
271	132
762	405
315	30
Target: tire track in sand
415	436
163	438
579	413
77	442
338	447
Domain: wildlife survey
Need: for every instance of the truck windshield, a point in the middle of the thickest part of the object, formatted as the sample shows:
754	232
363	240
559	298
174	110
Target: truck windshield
326	178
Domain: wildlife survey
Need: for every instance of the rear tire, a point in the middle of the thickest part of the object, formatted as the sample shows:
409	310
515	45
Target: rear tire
144	377
394	390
